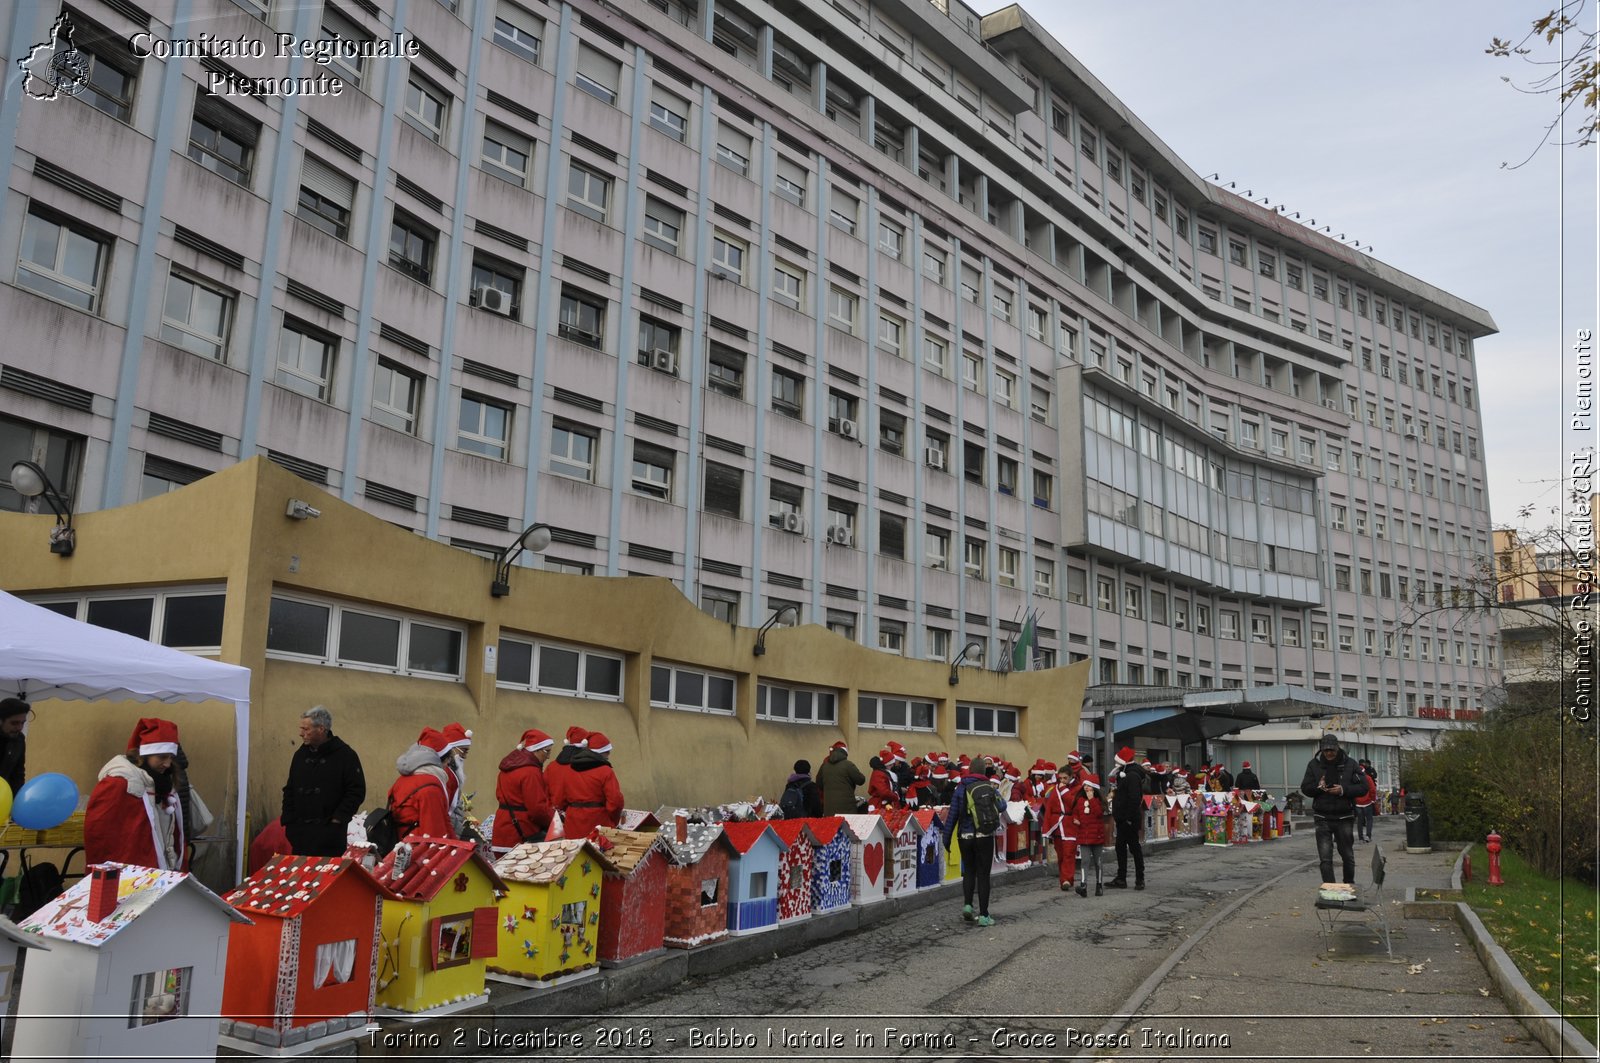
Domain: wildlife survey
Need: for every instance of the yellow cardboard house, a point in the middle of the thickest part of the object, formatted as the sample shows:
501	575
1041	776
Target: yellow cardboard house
549	928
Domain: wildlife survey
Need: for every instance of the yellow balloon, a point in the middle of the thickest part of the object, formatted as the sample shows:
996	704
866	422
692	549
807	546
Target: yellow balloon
5	801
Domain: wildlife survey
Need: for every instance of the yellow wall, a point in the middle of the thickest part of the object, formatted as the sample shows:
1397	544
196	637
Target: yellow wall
231	527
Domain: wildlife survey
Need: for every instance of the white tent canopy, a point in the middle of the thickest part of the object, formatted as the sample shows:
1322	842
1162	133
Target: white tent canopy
46	655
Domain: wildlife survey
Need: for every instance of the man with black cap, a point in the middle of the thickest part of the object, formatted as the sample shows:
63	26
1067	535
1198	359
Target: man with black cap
1333	782
14	716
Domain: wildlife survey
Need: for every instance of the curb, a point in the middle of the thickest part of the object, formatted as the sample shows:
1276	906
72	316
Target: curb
1558	1036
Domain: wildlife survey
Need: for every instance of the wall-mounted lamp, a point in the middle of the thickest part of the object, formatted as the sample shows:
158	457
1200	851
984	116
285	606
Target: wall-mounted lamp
760	648
534	537
298	510
30	481
975	644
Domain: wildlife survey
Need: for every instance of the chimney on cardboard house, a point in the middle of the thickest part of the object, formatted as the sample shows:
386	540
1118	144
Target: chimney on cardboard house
682	823
103	893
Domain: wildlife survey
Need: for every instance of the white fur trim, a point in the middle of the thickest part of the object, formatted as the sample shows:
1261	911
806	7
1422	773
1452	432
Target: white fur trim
154	748
546	744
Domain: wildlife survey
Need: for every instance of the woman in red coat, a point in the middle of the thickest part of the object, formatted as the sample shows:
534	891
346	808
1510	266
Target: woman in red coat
880	787
133	816
524	803
1089	821
587	796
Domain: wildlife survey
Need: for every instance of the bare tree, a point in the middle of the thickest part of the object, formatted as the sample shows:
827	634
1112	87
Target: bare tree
1562	53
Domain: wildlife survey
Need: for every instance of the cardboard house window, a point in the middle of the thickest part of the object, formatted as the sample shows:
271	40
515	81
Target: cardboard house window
158	996
835	870
708	892
335	962
572	913
453	941
797	877
758	885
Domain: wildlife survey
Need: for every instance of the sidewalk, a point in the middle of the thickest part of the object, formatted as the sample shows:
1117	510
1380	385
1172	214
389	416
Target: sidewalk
1264	983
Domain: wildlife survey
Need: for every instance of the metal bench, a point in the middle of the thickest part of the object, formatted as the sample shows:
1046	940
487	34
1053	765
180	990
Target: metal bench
1372	910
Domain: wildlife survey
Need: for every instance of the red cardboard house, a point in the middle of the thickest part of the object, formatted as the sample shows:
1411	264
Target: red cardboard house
697	883
633	897
795	868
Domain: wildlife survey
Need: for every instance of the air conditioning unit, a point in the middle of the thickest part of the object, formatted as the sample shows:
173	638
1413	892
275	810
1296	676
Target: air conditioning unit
849	429
934	458
494	300
665	361
841	535
794	522
1411	431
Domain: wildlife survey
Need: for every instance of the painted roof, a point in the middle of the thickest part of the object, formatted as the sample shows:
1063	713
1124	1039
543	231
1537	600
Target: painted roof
628	847
698	840
861	825
925	817
287	885
896	818
824	828
745	836
10	932
139	890
791	830
434	862
537	863
638	819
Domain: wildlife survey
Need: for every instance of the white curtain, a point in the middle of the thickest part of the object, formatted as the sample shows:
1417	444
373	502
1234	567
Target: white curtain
338	957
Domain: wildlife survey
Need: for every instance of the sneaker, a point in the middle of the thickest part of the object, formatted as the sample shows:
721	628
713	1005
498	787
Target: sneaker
1065	886
966	912
984	920
1083	890
1099	890
1139	885
1118	884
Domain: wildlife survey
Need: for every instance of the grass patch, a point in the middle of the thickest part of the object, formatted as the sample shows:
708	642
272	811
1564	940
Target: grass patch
1551	938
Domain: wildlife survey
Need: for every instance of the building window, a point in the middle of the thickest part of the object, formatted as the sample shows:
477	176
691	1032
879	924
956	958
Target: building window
583	318
892	636
195	316
721	604
727	257
788	283
663	225
518	31
411	246
841	409
160	996
985	720
789	182
652	470
484	427
937	548
935	265
891	333
974	558
1044	578
506	153
335	27
573	450
305	360
843	210
588	192
842	309
222	140
793	704
551	668
725	370
1007	561
733	150
113	73
62	261
188	619
891	239
1105	593
788	393
326	198
598	75
307	629
1133	602
396	396
1043	490
427	107
894	713
785	505
892	535
972	371
1039	403
935	353
658	345
690	689
669	115
491	274
891	432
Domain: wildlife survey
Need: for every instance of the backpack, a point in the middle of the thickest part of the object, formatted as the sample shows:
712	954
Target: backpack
382	831
793	802
37	886
983	807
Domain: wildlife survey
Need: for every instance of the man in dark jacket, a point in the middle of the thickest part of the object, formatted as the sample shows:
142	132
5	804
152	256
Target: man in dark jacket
1333	781
14	716
1127	809
1246	779
325	788
838	778
810	793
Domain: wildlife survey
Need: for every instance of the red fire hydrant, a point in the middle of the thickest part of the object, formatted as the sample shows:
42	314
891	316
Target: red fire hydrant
1493	845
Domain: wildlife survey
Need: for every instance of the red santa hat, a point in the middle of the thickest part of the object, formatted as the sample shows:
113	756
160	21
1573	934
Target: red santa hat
534	740
964	762
1246	764
152	736
599	743
922	771
897	752
456	737
1039	767
434	740
942	757
577	736
938	772
1011	772
838	745
1074	758
1125	755
1091	780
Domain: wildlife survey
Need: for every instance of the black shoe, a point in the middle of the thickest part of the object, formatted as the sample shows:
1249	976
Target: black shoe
1082	890
1139	885
1099	890
1118	884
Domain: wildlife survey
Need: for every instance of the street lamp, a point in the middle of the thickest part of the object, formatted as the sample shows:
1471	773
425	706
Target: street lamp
535	537
760	648
31	481
975	644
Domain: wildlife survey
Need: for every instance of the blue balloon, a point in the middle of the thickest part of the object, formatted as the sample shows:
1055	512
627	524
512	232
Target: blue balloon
45	801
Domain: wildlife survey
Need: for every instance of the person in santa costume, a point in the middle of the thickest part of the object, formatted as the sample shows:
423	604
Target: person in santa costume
133	815
900	768
1089	824
920	794
457	744
588	795
560	768
1055	820
419	800
524	801
941	784
881	793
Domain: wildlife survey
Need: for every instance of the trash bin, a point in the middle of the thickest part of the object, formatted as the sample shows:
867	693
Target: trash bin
1418	828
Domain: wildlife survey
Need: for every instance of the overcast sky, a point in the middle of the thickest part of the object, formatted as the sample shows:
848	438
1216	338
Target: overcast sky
1388	122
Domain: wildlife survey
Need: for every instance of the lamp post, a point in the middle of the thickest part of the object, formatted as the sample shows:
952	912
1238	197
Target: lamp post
760	647
31	481
535	537
975	644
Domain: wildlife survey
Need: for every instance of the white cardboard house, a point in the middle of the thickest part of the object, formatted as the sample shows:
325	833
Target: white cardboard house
135	969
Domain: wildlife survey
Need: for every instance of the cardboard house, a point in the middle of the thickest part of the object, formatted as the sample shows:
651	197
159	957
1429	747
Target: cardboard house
753	876
637	819
1015	831
633	897
831	876
870	857
796	867
135	968
440	930
930	849
12	942
697	883
303	968
905	840
550	913
952	855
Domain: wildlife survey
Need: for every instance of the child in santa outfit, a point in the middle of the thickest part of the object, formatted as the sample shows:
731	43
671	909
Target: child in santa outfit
920	794
881	794
1089	823
1055	822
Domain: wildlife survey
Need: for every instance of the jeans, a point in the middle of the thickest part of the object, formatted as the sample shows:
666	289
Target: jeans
1128	839
977	858
1342	832
1366	815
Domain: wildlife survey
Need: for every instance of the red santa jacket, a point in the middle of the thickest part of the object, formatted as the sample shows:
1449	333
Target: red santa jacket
420	805
920	794
121	821
525	808
587	795
1089	818
1055	811
880	790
